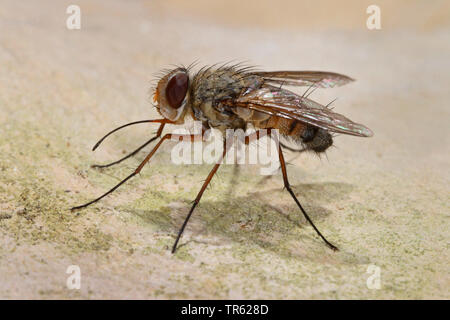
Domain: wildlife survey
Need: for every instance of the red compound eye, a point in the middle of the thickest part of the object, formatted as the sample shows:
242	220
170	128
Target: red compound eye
176	89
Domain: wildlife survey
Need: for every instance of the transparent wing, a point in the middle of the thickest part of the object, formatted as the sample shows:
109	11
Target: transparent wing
286	104
319	79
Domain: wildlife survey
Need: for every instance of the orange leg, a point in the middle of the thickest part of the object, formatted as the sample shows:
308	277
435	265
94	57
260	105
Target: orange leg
256	136
127	125
199	196
158	134
288	188
193	137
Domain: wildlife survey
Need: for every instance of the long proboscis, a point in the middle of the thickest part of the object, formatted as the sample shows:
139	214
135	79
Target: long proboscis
126	125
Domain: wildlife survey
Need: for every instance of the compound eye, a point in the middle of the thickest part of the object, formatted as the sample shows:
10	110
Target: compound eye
176	89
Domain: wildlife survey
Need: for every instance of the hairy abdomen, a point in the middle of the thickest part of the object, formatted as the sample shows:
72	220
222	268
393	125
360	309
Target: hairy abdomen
308	136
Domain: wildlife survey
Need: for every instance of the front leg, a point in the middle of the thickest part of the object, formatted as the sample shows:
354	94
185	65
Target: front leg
193	137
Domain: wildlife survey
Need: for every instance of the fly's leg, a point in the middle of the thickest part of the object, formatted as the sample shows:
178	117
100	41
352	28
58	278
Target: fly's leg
193	137
127	125
199	196
288	188
256	136
158	134
248	139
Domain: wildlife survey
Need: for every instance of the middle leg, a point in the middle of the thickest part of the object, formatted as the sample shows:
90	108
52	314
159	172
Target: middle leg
192	137
199	196
158	134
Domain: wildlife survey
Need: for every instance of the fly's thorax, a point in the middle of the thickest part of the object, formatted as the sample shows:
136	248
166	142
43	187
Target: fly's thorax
251	115
217	116
208	91
216	85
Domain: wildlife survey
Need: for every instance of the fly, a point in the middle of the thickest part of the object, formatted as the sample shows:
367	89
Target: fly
234	97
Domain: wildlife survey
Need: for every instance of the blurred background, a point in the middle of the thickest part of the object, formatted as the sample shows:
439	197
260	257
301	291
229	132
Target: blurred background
383	200
309	15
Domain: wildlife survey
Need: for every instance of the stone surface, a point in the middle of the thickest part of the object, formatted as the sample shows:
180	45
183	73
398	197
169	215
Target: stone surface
384	201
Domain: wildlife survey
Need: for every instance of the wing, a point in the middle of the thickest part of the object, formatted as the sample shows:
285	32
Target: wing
305	78
286	104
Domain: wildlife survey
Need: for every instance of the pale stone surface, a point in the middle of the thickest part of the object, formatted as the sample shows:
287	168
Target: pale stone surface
384	201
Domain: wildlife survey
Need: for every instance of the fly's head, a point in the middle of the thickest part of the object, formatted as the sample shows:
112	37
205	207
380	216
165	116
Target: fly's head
172	93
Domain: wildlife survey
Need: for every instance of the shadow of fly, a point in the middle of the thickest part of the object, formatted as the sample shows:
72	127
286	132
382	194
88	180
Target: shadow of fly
236	97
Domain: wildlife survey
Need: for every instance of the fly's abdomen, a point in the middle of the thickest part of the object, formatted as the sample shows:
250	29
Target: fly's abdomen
286	127
305	135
